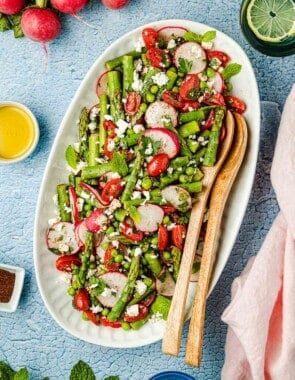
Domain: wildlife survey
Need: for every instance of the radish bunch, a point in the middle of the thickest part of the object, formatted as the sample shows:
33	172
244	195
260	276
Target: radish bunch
41	23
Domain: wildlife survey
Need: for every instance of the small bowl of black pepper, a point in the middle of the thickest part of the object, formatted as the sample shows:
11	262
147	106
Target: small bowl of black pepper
11	285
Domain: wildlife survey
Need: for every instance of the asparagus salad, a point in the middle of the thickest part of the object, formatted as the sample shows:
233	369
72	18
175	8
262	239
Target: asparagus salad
135	172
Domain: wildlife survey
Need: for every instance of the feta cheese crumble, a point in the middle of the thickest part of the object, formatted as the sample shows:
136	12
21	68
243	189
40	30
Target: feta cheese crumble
133	310
140	287
160	79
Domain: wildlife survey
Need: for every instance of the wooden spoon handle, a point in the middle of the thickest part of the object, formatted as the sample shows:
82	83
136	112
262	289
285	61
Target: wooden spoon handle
219	196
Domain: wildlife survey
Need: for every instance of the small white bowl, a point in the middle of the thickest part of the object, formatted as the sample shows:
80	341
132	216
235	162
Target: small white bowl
12	305
35	140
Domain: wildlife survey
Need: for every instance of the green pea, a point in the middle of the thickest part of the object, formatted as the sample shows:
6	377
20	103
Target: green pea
183	178
154	240
143	107
175	89
119	258
105	312
110	230
166	255
190	171
126	265
166	219
210	72
147	281
147	183
71	291
154	89
145	246
126	326
156	193
203	84
114	252
150	98
87	207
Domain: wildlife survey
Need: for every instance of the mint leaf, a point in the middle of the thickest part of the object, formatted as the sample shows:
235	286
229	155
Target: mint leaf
112	378
6	372
184	65
22	374
192	37
230	70
72	157
209	36
82	370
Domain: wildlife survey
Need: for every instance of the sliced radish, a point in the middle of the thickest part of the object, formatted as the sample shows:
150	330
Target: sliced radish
169	141
74	204
168	32
159	112
61	238
191	52
115	282
150	217
178	197
165	284
102	84
96	221
217	83
93	192
80	232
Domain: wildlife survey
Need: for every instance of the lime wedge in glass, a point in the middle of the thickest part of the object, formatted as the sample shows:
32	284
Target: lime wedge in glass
272	20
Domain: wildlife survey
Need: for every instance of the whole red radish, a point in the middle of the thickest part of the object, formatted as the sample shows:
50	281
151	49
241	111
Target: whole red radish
11	7
71	7
40	24
115	4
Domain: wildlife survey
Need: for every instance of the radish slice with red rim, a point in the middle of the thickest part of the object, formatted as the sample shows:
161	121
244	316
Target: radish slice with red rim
115	282
217	83
158	113
165	284
102	84
191	52
150	217
178	197
96	221
168	32
61	238
93	192
169	141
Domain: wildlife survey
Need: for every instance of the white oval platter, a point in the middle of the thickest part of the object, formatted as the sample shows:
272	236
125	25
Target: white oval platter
52	287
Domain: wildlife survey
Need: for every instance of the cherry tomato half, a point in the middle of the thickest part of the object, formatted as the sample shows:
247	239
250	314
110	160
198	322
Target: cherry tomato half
132	103
150	37
108	261
189	88
65	263
143	312
106	149
81	300
158	164
173	99
216	99
127	230
110	126
217	54
114	324
235	104
94	318
163	238
111	190
168	209
159	58
178	235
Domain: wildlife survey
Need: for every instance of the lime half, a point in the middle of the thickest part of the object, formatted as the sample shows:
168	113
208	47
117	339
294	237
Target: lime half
271	20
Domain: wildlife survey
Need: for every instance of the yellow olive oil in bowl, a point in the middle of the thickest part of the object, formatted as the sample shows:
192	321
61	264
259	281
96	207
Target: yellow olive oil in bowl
19	132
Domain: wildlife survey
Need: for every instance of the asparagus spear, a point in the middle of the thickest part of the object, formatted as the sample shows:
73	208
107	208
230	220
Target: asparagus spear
127	62
93	144
116	164
103	107
63	200
117	310
130	185
115	94
83	128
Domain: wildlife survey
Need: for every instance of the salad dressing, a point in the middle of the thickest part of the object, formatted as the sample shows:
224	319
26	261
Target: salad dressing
16	132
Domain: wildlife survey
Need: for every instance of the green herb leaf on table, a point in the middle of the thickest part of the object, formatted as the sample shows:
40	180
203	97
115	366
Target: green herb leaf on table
112	378
82	370
22	374
6	372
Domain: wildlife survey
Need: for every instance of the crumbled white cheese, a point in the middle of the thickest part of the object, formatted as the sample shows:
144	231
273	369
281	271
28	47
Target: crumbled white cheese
92	126
115	243
215	63
55	199
140	287
80	166
115	233
107	292
138	128
122	126
146	195
136	195
149	150
139	44
157	317
137	251
170	170
171	226
207	45
111	145
114	205
52	221
132	310
80	203
171	44
93	113
114	175
137	83
62	247
96	309
108	117
76	146
85	195
160	79
138	65
202	76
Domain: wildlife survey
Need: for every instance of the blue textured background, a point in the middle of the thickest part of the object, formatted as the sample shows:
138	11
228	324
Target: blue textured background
30	337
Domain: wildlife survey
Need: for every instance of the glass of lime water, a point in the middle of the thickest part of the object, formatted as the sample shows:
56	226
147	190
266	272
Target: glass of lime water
269	25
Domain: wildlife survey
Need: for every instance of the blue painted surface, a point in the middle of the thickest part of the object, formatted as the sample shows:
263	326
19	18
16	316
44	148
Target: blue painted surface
30	337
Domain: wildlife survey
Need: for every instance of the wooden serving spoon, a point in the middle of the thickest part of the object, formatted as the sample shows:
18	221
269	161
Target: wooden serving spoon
218	198
175	320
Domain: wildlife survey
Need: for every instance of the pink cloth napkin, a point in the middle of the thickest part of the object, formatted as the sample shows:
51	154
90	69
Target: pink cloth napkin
260	343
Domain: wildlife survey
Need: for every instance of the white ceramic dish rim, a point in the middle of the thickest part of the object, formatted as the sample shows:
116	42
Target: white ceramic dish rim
36	133
151	333
19	272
